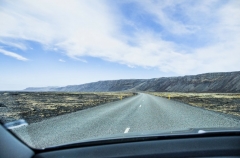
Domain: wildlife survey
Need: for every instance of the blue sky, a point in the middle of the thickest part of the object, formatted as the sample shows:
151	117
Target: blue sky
59	43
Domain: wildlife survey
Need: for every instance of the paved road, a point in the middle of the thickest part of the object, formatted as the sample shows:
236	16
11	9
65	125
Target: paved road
141	113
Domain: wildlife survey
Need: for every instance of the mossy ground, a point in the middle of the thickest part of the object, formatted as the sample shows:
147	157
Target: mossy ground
228	103
37	106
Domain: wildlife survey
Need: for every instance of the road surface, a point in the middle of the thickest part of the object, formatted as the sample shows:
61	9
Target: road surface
139	114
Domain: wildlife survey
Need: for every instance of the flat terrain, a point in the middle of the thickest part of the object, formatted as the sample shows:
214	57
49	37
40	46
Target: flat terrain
228	103
139	114
37	106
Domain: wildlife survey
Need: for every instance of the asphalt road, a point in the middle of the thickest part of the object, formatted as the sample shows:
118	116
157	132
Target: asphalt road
139	114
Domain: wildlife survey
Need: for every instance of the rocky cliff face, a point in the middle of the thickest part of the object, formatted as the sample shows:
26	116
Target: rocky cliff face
209	82
103	86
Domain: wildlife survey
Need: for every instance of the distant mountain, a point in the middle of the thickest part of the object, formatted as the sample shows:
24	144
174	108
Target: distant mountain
50	88
208	82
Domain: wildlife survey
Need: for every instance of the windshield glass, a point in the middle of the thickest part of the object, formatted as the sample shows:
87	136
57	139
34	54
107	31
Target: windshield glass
85	70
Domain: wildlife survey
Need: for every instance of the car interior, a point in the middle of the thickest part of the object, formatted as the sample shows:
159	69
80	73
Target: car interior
202	144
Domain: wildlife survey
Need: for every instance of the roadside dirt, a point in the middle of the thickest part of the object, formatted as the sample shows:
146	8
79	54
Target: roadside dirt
228	103
37	106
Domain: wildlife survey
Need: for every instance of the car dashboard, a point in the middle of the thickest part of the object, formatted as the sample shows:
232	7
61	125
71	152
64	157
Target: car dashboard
214	144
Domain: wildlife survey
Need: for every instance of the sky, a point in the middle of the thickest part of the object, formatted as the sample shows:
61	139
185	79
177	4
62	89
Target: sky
59	43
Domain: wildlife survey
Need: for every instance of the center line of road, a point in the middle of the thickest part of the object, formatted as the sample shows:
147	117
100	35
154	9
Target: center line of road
140	105
126	130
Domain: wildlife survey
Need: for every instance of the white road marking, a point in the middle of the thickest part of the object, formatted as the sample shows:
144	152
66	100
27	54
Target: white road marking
12	127
201	131
140	105
126	130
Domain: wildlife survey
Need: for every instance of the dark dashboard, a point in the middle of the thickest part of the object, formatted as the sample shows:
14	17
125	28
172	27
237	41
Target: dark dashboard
214	144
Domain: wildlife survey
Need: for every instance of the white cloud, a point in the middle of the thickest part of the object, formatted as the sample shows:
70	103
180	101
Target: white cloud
15	44
91	28
207	20
157	9
62	60
12	54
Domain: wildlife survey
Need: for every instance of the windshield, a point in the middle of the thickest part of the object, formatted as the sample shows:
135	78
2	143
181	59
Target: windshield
85	70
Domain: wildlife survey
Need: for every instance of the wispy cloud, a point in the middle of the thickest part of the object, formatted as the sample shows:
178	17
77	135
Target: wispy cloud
12	54
188	36
62	60
14	44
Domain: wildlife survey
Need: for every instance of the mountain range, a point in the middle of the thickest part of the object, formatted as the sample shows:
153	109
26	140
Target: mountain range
221	82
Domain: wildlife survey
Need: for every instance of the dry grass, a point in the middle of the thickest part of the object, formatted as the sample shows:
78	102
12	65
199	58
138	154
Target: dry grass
36	106
228	103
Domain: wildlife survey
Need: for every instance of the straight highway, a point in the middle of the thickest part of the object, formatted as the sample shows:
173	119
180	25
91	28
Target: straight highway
139	114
